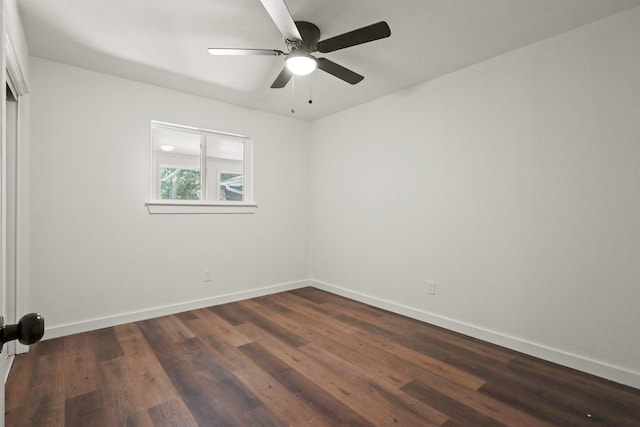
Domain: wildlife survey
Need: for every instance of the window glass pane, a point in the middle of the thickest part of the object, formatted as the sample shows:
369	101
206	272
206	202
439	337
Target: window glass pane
179	183
231	186
225	168
176	159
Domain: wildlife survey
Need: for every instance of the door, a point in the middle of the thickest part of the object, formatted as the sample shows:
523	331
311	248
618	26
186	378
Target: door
13	184
8	221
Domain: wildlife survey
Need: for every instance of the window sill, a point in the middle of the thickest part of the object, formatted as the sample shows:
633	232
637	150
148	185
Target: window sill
199	207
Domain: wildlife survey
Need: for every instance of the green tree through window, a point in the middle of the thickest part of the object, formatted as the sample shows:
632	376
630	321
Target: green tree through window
179	184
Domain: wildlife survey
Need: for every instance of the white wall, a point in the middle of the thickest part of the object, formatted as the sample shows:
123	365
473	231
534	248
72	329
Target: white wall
514	184
97	256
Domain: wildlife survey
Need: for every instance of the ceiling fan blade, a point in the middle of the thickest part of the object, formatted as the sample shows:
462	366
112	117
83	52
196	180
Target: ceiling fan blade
281	16
339	71
366	34
282	79
231	51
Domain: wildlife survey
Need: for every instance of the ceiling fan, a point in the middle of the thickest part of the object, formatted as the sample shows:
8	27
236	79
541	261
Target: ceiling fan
302	39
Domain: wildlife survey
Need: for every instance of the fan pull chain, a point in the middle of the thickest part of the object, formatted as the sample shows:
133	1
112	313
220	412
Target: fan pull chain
293	94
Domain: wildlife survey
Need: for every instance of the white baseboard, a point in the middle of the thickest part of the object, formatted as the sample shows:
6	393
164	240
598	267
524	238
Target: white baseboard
119	319
594	367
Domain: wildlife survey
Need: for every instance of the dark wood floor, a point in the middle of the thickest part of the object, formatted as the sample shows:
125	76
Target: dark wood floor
299	358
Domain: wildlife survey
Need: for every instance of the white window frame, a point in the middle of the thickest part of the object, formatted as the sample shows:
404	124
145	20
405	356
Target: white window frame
164	206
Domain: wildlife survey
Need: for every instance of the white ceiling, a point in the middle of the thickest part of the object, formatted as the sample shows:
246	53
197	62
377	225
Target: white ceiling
164	42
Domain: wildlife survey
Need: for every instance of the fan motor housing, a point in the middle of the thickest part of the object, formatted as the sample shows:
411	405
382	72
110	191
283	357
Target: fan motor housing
310	36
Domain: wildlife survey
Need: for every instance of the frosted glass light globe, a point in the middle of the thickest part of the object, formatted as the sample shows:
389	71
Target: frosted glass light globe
301	64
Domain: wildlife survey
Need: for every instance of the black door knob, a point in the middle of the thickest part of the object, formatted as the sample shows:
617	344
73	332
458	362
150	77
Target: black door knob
28	330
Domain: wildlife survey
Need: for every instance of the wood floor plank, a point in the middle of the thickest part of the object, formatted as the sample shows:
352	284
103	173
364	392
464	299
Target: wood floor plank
427	360
392	377
260	417
277	400
591	388
492	409
120	388
186	377
351	390
105	344
273	328
336	413
281	402
387	367
222	328
536	404
427	413
233	313
177	331
81	374
314	295
402	325
172	413
450	389
454	409
43	404
395	325
21	378
503	382
89	409
212	393
348	333
218	343
299	358
374	359
48	347
149	380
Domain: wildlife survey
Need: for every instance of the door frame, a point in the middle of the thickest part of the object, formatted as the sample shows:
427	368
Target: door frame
15	161
13	56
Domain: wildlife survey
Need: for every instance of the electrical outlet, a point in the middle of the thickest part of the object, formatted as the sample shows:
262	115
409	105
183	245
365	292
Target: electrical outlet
208	276
431	287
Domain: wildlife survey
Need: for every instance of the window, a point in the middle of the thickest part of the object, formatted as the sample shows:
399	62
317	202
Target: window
199	171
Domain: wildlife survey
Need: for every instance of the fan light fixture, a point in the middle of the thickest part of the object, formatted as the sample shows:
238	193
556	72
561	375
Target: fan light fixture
301	64
302	39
